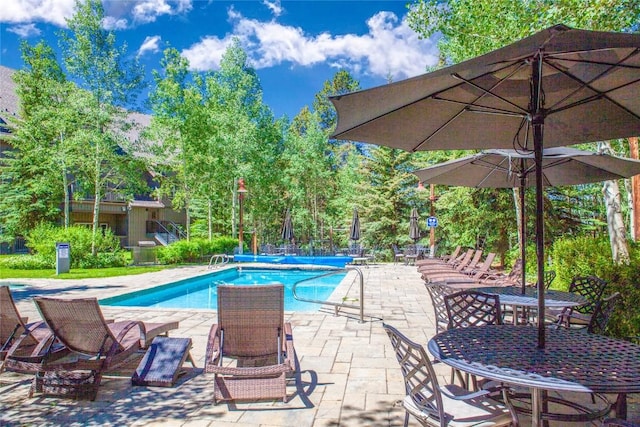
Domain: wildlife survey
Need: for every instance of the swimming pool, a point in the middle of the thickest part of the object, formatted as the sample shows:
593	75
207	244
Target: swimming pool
201	291
330	261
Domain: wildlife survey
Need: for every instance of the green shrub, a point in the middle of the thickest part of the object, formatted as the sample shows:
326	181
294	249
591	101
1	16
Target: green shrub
26	262
584	256
42	242
195	250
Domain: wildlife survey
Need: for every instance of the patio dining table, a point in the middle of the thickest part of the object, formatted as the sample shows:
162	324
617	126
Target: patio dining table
572	360
512	296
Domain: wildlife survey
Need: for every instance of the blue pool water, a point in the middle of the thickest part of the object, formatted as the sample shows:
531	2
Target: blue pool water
201	292
330	261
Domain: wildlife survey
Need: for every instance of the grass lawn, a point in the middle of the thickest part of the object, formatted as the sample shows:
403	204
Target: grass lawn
78	273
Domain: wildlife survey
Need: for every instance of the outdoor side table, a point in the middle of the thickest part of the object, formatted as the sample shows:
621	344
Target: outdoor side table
512	295
572	360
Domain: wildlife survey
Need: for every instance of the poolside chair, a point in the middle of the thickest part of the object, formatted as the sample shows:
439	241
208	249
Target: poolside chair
590	287
444	405
250	330
437	292
513	278
23	346
432	273
469	308
95	345
440	260
398	255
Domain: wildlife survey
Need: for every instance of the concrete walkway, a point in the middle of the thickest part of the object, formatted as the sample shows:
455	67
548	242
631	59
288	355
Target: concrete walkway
348	372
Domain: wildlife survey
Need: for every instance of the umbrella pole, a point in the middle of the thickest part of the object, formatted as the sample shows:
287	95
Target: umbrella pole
523	229
538	126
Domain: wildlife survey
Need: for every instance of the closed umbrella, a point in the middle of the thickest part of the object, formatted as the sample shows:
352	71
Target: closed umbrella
511	168
414	228
558	87
354	230
287	228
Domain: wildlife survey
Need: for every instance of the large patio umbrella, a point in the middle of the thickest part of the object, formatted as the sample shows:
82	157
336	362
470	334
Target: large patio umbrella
560	86
354	230
287	228
414	228
503	168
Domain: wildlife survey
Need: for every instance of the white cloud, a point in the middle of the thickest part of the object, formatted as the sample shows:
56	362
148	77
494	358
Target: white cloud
150	44
146	11
113	23
390	48
27	11
274	6
206	54
25	30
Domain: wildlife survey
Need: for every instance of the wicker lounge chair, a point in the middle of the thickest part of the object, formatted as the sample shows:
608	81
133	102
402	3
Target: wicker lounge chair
444	405
23	346
95	345
250	330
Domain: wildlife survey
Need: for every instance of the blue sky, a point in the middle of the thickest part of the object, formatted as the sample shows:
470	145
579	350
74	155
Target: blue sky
295	46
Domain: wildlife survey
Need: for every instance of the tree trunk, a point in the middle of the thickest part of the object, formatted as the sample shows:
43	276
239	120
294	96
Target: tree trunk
209	219
615	221
635	193
96	218
67	197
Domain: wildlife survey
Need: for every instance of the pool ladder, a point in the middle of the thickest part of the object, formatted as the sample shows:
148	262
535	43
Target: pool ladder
336	305
218	260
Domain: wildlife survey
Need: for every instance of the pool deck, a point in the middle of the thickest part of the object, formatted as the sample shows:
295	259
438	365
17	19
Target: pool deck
348	372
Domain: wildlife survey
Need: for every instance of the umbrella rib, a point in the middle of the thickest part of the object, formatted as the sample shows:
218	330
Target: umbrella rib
467	105
489	91
585	84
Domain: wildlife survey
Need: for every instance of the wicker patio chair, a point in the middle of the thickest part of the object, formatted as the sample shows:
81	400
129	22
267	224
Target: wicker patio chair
95	345
447	405
250	330
24	346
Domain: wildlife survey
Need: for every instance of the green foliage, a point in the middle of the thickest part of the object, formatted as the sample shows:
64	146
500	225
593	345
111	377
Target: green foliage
26	262
195	250
469	27
583	256
42	241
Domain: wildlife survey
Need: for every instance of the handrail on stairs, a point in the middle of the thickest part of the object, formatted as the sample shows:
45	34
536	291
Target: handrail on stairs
218	260
336	305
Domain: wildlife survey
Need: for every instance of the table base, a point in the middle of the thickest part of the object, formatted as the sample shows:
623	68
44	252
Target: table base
543	401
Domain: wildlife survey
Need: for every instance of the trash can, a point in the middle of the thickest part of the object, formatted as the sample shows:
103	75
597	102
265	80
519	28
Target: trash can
145	252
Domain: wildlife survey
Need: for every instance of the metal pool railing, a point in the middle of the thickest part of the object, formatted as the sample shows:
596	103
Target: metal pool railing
336	305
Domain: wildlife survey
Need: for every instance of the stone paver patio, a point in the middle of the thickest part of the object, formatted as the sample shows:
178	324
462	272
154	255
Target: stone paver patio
348	374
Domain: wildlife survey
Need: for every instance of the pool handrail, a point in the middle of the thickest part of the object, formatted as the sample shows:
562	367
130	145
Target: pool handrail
218	260
336	305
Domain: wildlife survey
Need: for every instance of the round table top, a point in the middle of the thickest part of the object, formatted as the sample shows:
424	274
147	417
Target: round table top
572	360
512	295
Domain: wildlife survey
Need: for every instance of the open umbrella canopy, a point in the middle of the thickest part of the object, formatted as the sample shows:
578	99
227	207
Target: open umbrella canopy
354	230
560	86
589	88
287	228
511	168
506	168
414	228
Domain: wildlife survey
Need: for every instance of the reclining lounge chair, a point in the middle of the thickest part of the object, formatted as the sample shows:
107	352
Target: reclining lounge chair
95	345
